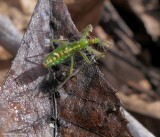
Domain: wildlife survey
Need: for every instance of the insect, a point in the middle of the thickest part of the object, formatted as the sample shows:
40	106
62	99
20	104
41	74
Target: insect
68	49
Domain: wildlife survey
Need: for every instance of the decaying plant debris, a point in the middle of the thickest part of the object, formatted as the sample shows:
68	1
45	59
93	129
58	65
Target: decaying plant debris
31	105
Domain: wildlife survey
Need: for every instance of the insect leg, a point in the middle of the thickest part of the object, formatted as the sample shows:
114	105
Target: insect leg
85	57
70	73
72	65
62	42
86	31
105	45
96	52
59	42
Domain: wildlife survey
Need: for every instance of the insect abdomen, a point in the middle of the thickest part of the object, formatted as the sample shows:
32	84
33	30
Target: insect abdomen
57	57
62	53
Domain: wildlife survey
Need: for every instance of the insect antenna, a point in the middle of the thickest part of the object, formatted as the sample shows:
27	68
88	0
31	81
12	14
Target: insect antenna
105	46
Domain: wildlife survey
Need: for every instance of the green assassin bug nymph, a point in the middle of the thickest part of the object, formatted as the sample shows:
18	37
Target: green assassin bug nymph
68	49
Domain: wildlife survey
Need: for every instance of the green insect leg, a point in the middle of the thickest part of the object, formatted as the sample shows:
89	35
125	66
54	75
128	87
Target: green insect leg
72	65
96	52
105	45
70	72
62	42
86	31
85	57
